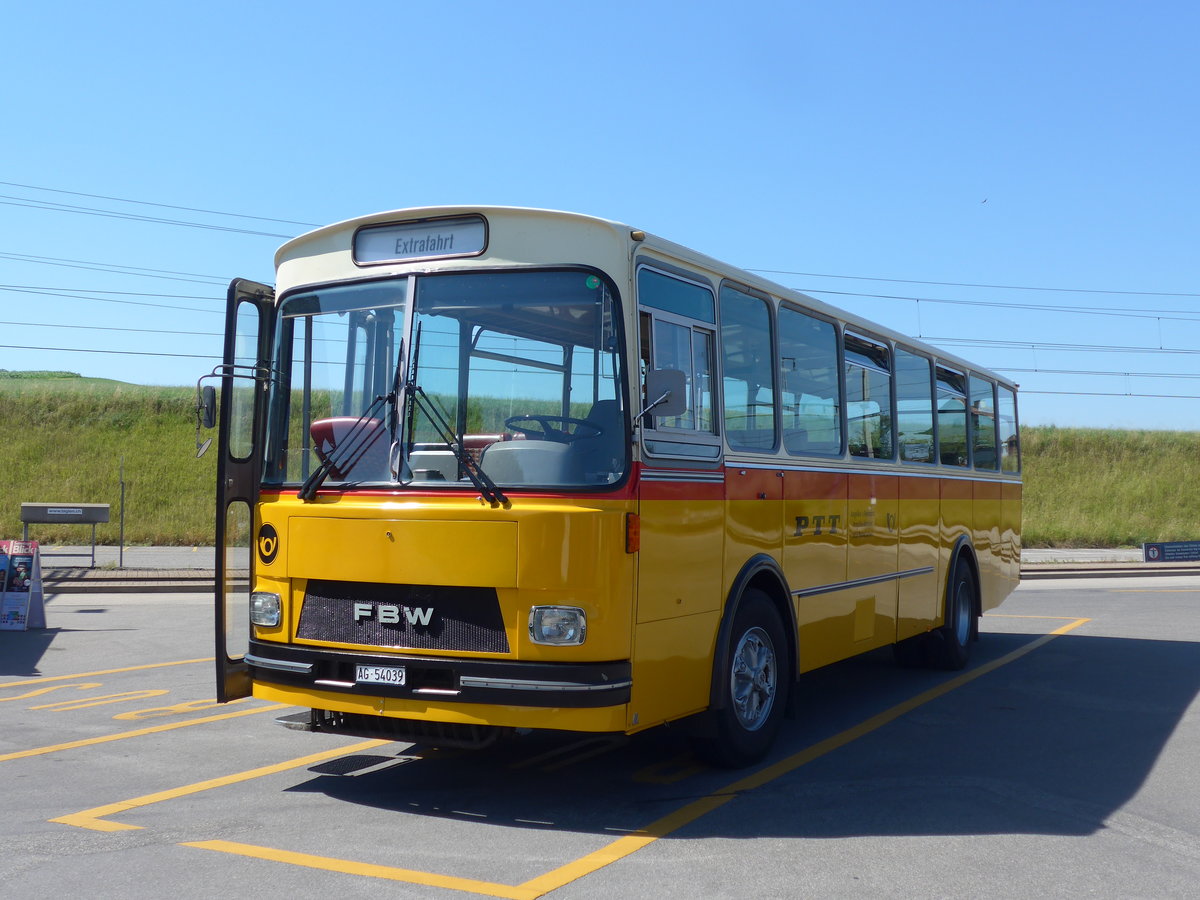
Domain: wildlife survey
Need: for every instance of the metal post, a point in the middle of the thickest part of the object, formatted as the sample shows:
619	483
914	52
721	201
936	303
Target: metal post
121	548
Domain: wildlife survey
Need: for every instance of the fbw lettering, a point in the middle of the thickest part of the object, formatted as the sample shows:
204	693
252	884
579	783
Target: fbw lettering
816	525
387	614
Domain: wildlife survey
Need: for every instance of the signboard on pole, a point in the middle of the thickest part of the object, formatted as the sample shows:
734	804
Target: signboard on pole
22	605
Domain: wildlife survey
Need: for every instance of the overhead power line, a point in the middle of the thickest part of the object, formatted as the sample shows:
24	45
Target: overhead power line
37	287
1091	373
115	352
968	284
211	212
1113	394
1115	312
7	200
141	271
57	327
48	292
214	212
1043	345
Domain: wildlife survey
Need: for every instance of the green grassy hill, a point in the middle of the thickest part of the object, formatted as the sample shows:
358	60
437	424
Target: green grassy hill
65	436
1094	487
64	439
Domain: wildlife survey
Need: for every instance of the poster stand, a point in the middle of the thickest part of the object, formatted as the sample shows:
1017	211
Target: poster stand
22	603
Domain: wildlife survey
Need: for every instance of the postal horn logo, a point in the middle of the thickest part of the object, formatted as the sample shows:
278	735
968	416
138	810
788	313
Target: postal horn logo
268	543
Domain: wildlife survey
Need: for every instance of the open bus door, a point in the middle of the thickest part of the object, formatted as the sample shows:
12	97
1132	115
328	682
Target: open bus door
245	379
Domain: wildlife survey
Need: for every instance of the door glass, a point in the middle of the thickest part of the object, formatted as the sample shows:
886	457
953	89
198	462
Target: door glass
245	353
236	588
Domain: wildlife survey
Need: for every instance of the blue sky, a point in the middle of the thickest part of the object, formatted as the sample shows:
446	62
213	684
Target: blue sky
924	164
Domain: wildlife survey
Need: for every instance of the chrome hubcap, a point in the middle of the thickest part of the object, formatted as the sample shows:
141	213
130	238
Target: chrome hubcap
962	613
753	679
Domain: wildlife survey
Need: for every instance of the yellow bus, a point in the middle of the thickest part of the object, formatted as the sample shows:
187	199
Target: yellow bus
502	468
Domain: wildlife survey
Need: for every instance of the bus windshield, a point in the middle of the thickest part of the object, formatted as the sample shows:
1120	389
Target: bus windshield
515	373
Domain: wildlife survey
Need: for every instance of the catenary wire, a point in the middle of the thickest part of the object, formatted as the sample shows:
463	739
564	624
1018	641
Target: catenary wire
761	270
110	214
213	212
111	328
967	284
43	292
1115	312
117	352
114	268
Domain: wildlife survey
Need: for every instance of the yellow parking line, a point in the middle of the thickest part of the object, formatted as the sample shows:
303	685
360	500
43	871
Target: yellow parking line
181	662
625	846
122	735
93	818
102	700
38	692
579	868
348	867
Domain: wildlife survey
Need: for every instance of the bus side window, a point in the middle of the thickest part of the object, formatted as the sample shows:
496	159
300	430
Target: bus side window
749	371
869	428
812	406
1006	421
914	406
952	417
983	423
670	340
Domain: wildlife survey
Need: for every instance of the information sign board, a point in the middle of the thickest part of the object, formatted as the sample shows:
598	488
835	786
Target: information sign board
1171	551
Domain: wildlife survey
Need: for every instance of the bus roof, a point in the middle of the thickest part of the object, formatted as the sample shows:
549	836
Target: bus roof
301	244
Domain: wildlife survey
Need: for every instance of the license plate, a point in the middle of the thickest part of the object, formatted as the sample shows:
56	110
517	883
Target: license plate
379	674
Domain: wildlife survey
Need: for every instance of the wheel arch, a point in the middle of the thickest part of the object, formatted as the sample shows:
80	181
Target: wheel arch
762	573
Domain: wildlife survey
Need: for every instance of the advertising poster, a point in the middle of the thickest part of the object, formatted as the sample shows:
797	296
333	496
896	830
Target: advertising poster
21	603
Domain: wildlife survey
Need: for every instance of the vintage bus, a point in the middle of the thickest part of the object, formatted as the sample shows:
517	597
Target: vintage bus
502	469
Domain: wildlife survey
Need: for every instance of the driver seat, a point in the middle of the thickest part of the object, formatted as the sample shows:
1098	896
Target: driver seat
603	455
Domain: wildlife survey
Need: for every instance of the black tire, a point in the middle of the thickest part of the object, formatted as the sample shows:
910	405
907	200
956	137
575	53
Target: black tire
951	647
752	687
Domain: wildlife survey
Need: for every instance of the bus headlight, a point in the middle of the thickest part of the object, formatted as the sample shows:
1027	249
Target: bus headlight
264	608
557	625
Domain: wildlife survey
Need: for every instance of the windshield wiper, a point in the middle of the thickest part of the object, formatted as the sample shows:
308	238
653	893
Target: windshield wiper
349	450
415	396
488	488
397	458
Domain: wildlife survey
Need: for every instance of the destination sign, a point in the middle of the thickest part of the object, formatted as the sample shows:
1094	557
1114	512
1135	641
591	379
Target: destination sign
429	239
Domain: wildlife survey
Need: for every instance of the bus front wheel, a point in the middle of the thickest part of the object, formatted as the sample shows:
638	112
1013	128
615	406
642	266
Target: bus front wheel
753	687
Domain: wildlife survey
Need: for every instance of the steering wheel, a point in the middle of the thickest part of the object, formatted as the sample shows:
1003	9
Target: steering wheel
583	429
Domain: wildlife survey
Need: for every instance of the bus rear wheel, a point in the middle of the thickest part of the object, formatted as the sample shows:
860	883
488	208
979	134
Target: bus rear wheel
753	686
952	642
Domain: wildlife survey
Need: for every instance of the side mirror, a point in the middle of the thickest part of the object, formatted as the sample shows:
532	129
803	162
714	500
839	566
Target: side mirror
207	406
666	392
206	415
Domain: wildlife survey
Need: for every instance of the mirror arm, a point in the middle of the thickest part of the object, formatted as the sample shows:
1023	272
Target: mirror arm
654	404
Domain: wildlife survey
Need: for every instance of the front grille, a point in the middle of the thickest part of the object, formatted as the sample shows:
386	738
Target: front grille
403	616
